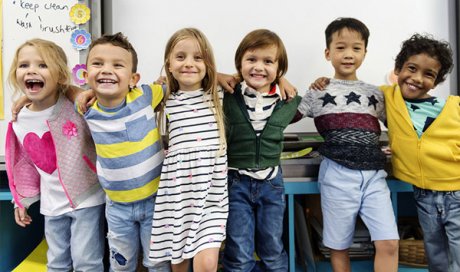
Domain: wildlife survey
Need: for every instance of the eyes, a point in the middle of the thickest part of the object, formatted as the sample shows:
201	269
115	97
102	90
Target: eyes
343	47
182	57
27	65
99	63
267	61
428	73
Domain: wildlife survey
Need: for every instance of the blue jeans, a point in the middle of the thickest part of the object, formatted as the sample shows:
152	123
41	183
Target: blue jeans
255	222
130	227
76	240
439	217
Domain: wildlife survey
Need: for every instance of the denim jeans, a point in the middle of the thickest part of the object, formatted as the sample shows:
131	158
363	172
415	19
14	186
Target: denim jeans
76	240
130	227
439	217
255	222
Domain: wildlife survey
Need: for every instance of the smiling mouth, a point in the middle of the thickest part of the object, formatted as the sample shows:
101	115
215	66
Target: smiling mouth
34	84
106	81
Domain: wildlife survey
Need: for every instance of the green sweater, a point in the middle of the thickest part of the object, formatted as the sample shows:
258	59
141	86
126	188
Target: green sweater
244	148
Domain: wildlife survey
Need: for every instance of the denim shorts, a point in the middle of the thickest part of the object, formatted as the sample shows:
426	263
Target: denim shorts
347	193
130	228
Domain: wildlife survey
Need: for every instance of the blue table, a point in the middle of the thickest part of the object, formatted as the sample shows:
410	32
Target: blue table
306	186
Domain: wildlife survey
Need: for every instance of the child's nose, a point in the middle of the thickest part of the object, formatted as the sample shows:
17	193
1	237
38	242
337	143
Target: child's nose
189	62
417	77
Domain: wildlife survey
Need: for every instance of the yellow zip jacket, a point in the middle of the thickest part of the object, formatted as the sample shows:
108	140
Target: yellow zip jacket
433	160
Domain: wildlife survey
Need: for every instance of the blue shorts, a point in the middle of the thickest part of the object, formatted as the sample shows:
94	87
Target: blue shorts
346	193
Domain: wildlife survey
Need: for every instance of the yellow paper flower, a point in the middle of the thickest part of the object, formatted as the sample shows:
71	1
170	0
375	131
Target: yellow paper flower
80	14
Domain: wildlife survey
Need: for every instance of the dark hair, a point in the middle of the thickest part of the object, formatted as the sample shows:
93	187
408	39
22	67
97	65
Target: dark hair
120	40
426	44
262	38
351	24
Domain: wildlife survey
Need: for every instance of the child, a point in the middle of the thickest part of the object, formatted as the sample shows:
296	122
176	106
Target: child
351	177
129	155
192	204
424	133
256	118
50	156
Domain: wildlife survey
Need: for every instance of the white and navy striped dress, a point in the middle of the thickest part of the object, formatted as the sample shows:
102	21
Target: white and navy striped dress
191	207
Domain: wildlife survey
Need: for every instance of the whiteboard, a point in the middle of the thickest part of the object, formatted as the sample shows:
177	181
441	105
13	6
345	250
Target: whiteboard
28	19
300	24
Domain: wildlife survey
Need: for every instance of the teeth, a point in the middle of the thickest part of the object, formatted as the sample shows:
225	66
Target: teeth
106	81
31	81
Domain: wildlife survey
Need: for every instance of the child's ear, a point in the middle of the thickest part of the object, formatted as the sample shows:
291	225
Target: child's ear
135	77
327	54
85	75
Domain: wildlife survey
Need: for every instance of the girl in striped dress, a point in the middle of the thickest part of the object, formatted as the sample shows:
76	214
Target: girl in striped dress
192	205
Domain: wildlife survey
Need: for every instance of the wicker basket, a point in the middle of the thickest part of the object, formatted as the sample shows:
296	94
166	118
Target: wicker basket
412	253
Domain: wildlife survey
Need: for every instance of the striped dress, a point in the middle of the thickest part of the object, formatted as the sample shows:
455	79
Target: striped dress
191	207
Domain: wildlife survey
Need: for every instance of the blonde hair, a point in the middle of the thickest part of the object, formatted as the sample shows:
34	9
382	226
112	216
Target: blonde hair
53	56
209	82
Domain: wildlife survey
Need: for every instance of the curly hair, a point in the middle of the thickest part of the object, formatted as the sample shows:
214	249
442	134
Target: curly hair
426	44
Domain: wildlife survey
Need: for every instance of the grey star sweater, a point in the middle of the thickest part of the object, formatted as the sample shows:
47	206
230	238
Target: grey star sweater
346	114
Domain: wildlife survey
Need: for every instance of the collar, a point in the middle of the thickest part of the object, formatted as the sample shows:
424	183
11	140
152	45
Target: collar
274	91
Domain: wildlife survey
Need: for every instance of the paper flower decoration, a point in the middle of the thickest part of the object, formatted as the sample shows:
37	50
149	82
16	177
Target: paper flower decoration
69	129
80	14
80	39
78	74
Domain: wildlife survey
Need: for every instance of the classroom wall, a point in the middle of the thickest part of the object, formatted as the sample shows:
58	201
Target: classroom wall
300	23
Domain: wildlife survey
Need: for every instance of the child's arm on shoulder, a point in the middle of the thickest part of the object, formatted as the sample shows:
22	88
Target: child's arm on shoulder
288	91
227	82
320	84
17	106
82	98
21	217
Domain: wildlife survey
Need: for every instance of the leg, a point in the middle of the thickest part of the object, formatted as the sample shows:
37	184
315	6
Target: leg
182	267
239	246
340	260
378	215
87	241
271	205
340	190
206	260
145	214
434	235
57	234
452	226
123	236
386	255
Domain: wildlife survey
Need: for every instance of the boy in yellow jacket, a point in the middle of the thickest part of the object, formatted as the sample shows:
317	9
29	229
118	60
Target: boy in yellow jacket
424	134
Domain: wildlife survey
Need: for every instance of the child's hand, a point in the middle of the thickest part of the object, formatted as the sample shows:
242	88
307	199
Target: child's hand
386	150
319	84
85	100
288	91
161	80
17	106
21	217
228	82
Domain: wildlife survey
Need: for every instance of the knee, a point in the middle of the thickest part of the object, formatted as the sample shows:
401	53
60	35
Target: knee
387	247
207	264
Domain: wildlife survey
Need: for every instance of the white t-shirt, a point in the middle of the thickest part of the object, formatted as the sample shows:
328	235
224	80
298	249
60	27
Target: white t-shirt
33	133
